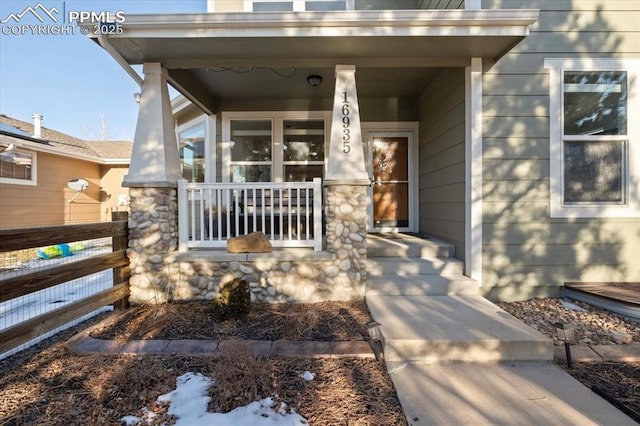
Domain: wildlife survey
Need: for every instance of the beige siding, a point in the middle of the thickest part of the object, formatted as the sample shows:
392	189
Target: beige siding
526	253
441	158
47	203
111	190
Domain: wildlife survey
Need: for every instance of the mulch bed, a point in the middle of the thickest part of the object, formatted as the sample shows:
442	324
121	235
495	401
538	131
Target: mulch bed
50	385
327	321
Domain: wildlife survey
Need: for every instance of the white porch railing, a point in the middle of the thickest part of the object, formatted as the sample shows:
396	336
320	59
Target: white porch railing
289	214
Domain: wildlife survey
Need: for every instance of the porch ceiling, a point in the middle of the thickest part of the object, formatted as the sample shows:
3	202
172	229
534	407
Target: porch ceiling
211	57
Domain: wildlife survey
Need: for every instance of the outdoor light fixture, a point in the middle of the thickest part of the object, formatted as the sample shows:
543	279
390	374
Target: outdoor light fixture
376	340
314	80
566	333
136	97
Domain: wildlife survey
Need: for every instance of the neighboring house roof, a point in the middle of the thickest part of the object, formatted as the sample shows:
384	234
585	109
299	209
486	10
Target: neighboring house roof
112	150
60	143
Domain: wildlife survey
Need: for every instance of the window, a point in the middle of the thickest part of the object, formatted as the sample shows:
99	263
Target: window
303	146
251	148
273	146
594	142
17	167
297	5
193	146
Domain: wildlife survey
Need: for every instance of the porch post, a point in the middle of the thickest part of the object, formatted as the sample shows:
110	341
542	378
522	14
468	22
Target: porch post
152	181
346	181
473	170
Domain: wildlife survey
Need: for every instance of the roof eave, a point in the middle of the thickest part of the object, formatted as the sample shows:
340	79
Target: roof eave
507	22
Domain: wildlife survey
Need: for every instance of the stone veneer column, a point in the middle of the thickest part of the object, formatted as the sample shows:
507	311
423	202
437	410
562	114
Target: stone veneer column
152	181
346	215
346	181
153	233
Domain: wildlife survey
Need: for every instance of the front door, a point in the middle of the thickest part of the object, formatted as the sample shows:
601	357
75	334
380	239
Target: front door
390	204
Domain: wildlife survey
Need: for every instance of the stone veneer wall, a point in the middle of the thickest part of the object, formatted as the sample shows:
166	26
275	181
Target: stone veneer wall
346	216
153	234
159	273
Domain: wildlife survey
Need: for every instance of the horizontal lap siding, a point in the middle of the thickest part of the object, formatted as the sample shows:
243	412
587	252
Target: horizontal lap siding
527	253
441	158
47	203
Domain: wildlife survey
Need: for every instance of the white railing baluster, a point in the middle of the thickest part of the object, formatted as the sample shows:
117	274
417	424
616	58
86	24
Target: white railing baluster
255	211
298	213
280	219
205	218
307	210
317	214
264	229
289	212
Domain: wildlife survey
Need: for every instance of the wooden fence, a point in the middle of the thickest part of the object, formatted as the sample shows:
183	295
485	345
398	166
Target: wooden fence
17	286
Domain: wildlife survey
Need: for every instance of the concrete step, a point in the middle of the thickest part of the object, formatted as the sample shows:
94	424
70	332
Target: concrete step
454	328
381	266
406	246
422	285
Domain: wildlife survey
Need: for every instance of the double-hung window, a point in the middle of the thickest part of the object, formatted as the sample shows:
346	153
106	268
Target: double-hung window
197	161
17	167
595	137
251	150
273	146
296	5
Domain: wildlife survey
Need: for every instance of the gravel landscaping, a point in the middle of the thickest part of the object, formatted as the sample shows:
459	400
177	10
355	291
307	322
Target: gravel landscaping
618	382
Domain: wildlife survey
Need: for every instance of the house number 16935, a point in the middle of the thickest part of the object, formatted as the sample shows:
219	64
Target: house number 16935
346	122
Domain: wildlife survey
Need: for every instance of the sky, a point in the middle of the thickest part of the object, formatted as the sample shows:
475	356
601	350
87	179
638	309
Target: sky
78	88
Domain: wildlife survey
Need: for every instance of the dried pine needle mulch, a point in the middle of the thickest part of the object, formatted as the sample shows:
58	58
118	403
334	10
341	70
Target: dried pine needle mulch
618	380
49	385
325	321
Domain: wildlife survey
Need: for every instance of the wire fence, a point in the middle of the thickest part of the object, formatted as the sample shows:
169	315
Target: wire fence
25	264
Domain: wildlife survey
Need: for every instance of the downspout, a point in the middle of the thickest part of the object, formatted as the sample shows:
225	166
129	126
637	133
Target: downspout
104	42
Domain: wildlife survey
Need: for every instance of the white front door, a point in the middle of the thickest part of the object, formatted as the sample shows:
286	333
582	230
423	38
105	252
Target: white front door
392	195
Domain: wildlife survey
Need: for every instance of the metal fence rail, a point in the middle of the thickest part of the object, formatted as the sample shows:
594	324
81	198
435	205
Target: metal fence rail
289	214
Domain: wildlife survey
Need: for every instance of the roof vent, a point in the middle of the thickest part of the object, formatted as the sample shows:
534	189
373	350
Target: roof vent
37	126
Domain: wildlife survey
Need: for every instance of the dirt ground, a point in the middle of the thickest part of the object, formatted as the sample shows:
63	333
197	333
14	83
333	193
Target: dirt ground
48	385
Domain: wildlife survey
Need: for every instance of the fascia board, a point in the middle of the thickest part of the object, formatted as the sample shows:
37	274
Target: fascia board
309	24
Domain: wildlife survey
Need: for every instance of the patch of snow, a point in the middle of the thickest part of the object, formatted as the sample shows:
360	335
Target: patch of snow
130	420
572	306
188	403
307	375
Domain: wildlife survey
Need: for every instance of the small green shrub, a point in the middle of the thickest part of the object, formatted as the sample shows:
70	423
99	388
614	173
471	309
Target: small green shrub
233	301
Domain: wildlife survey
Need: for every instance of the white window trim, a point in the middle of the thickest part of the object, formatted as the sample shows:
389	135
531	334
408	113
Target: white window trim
298	5
209	143
556	67
34	172
277	118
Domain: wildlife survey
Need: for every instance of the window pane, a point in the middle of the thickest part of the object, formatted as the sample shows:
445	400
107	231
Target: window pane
304	173
251	140
326	5
251	173
594	172
15	165
191	143
303	140
273	6
595	103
